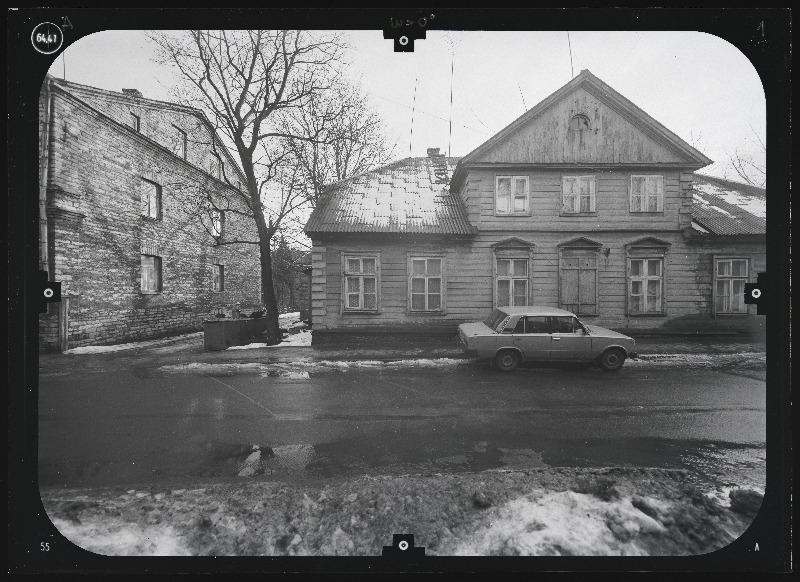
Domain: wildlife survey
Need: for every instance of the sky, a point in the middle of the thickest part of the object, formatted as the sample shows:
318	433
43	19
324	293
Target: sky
698	85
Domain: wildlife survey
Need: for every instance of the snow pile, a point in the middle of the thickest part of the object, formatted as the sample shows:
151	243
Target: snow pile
299	339
116	538
562	524
132	345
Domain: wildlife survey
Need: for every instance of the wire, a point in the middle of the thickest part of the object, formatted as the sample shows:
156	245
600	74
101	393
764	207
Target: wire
432	114
413	109
452	68
571	69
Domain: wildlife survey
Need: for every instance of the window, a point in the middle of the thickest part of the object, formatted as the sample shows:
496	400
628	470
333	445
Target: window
179	142
730	275
217	166
512	282
425	284
151	200
578	281
578	194
151	274
219	278
361	283
511	195
532	324
135	122
647	193
645	285
564	324
217	223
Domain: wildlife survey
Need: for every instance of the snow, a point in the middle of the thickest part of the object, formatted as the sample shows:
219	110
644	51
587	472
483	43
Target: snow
132	345
563	523
716	207
752	204
299	339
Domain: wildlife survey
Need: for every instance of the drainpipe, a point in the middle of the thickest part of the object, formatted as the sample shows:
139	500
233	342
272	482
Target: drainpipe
44	174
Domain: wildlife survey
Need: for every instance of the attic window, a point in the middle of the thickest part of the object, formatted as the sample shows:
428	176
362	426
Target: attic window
579	123
578	128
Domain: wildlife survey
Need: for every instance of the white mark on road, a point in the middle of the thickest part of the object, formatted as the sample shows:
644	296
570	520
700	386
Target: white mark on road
240	394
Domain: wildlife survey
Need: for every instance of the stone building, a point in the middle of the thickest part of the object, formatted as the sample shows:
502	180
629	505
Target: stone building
135	198
585	203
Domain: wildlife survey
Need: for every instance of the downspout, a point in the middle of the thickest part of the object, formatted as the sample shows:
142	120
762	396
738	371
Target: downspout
44	175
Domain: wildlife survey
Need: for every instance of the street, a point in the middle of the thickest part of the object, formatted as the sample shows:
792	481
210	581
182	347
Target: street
142	421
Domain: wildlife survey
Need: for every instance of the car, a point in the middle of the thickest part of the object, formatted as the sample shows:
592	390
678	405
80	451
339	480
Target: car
512	335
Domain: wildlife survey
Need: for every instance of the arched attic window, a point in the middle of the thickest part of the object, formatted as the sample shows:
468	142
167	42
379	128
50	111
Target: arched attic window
579	126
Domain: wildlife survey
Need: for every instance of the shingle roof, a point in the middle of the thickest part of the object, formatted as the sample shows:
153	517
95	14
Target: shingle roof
401	197
728	208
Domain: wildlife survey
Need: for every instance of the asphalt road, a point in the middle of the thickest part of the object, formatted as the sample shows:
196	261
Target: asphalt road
141	424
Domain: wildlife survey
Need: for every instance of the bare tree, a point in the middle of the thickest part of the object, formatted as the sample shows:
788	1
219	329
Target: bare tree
750	163
349	141
247	82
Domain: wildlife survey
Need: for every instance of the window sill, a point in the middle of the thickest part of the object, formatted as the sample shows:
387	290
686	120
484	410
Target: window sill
427	312
360	312
151	218
568	214
647	315
513	214
652	212
150	292
731	314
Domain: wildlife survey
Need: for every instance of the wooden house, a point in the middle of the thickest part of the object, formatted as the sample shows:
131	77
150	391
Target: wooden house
585	203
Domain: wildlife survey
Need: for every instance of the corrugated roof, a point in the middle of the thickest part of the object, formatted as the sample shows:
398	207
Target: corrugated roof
728	208
401	197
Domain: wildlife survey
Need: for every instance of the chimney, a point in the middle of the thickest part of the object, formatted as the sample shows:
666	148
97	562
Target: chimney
132	93
433	152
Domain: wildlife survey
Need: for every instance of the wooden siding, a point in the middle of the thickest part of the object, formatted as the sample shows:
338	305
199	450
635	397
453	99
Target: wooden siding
612	202
611	138
469	280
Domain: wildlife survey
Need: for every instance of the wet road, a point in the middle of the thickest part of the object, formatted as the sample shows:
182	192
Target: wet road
140	425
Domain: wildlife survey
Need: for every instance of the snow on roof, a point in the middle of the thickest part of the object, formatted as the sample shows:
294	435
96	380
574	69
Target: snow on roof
405	196
728	208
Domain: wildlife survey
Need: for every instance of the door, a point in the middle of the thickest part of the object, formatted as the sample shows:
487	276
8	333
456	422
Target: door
569	342
532	337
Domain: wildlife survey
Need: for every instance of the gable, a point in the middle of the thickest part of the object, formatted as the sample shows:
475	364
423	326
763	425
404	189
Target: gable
586	122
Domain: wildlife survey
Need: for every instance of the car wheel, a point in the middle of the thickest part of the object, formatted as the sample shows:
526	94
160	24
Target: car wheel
506	360
612	359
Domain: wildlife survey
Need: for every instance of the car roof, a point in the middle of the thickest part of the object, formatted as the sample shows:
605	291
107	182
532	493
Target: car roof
536	310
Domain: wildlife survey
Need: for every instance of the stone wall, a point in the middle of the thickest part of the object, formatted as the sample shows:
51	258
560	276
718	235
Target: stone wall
98	173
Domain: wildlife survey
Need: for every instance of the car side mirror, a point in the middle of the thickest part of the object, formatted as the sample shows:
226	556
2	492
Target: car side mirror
585	330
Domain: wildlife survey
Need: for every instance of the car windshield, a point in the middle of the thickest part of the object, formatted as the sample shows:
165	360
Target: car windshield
495	319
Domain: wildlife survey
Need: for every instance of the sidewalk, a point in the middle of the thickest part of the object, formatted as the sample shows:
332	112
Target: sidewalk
188	350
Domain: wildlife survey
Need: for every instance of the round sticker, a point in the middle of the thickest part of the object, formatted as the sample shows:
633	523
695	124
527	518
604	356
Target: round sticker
756	293
403	545
48	293
403	40
47	38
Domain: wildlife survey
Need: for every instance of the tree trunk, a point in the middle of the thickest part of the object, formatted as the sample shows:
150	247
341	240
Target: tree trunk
268	287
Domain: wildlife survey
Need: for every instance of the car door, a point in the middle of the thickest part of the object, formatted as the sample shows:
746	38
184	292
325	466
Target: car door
569	341
532	337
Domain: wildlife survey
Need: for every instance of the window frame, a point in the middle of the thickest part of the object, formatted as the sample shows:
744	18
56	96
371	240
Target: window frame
583	251
361	255
511	197
218	269
660	200
592	179
410	258
157	262
137	122
221	214
645	278
716	277
159	198
183	139
511	278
